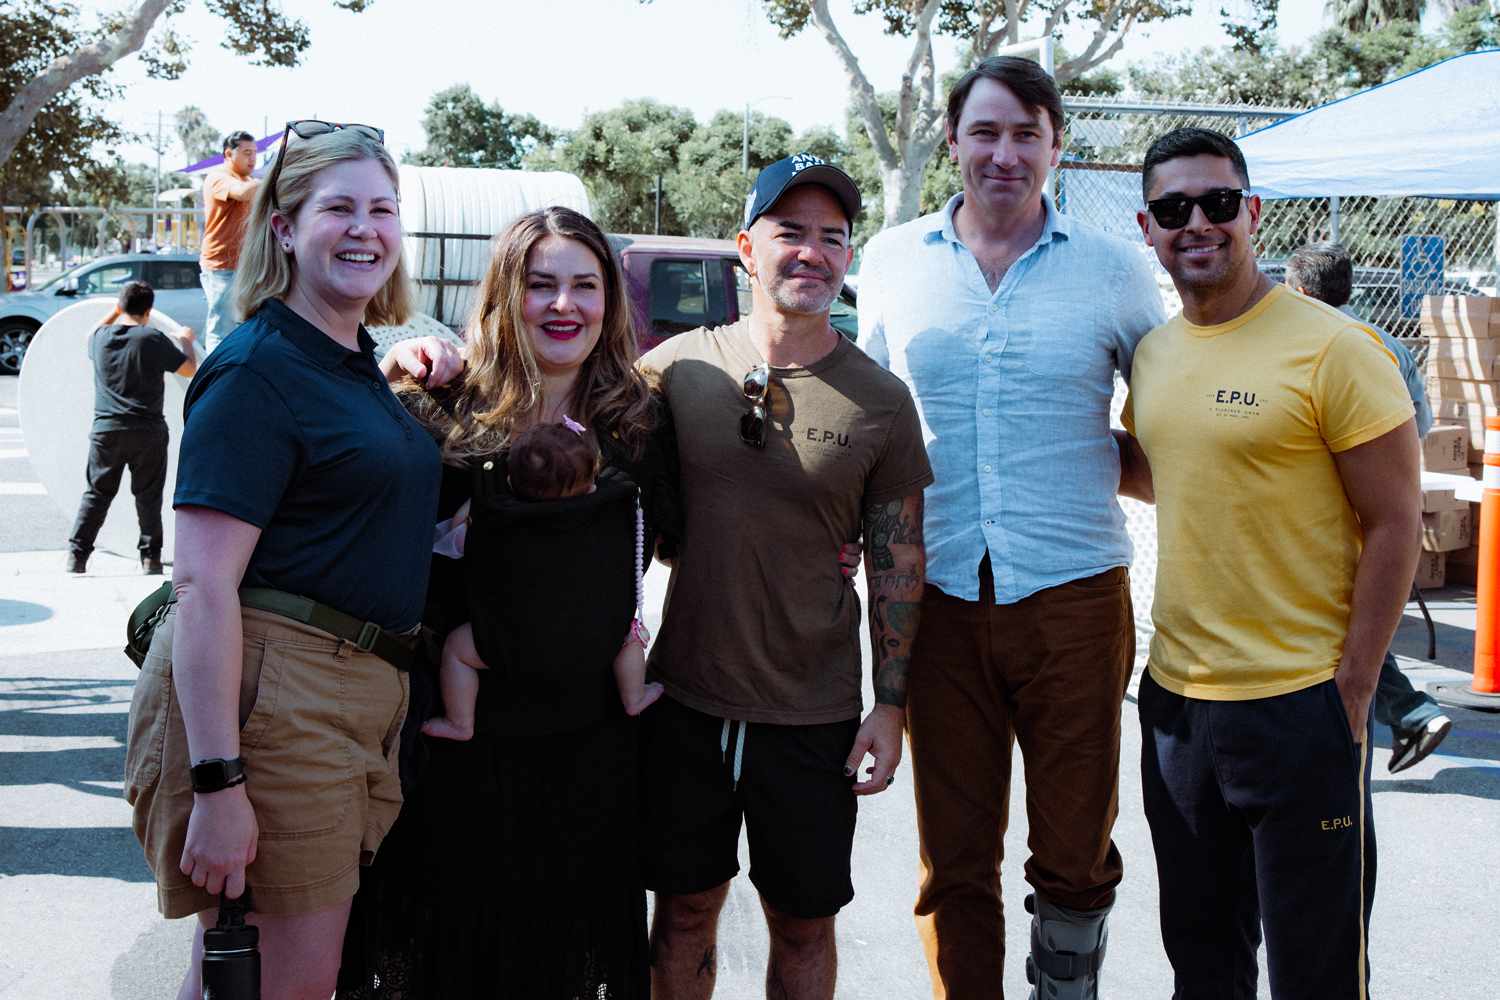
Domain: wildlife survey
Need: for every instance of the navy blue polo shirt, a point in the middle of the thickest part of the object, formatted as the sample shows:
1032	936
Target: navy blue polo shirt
289	431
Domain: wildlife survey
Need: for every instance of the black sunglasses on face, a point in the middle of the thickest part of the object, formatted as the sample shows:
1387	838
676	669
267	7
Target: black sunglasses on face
308	128
1219	206
753	423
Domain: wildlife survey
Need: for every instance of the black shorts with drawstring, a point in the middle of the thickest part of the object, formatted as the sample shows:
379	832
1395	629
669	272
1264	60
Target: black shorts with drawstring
702	774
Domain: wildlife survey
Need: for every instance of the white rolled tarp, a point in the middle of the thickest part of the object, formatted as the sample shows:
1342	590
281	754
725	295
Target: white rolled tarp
468	201
1434	132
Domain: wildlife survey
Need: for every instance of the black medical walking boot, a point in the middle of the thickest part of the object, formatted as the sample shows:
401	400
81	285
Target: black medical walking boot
1067	949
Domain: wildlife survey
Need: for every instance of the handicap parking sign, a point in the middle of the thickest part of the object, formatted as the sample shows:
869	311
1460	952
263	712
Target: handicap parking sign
1421	271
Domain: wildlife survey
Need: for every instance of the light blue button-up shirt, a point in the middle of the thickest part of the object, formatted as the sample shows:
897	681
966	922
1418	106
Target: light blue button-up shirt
1013	387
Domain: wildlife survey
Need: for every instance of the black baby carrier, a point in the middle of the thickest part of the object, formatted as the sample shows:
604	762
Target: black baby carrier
551	594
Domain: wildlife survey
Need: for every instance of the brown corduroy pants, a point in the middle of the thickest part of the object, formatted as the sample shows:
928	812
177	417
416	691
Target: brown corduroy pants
1049	672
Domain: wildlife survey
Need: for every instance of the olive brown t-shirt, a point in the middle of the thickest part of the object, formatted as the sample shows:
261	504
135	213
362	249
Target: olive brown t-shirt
760	625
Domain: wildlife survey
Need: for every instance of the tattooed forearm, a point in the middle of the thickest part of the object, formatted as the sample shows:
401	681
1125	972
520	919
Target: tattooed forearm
896	569
887	525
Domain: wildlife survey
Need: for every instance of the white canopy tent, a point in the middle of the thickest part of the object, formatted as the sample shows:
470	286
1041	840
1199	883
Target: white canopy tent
1435	133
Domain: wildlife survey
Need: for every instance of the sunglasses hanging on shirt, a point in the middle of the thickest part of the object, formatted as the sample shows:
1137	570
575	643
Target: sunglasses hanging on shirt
757	385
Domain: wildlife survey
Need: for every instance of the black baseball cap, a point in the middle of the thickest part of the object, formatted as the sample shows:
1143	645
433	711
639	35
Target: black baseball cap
776	179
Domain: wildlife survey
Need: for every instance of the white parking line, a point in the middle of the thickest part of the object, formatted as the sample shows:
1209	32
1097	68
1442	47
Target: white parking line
22	490
14	453
48	744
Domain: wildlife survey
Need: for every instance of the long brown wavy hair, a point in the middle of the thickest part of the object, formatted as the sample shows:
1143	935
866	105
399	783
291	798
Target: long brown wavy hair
501	390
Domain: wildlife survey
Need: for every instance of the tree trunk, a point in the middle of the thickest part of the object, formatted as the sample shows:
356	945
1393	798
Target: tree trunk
902	188
64	71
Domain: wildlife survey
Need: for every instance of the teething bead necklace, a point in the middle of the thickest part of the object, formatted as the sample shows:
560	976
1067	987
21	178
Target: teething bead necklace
638	631
640	557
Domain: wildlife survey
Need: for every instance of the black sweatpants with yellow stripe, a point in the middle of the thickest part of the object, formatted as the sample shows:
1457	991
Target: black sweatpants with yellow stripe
1260	818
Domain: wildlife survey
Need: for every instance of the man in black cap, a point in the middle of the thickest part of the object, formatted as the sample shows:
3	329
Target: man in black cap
130	357
793	443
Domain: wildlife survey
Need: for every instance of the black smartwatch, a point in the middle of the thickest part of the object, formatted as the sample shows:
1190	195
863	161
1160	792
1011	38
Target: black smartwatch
217	774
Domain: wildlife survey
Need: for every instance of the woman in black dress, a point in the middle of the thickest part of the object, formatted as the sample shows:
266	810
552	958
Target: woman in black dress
512	870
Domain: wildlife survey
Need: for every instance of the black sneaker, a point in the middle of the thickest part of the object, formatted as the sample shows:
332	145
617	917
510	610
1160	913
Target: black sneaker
150	566
75	563
1411	747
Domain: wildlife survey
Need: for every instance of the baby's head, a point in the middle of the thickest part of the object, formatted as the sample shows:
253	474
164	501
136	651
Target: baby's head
552	461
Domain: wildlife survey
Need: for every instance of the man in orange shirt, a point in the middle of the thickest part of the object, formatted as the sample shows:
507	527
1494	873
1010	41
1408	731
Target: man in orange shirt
227	192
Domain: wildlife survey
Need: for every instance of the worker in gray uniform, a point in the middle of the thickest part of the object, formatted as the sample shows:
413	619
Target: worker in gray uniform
1325	272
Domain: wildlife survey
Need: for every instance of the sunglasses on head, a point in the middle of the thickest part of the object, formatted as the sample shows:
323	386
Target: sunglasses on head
1219	206
756	385
309	128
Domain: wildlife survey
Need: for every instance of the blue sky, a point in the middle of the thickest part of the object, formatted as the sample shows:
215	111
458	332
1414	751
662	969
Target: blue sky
560	59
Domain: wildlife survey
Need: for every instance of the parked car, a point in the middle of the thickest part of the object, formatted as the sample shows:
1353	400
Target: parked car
1376	297
173	276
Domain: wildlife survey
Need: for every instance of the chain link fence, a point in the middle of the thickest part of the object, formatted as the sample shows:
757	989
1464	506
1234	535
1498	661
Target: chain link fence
1099	180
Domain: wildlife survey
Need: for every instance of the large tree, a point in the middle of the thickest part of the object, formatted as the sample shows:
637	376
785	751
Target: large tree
707	189
902	146
463	130
620	154
67	128
56	60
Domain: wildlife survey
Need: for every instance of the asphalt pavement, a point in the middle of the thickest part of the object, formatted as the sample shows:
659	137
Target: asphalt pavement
77	907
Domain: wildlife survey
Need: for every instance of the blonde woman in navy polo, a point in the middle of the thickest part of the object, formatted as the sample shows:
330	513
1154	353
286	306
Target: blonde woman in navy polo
262	737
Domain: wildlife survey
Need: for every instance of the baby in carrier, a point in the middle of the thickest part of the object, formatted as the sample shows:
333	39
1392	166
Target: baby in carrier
546	462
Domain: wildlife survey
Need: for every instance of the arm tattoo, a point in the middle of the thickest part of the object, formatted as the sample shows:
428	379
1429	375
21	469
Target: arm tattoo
884	527
893	540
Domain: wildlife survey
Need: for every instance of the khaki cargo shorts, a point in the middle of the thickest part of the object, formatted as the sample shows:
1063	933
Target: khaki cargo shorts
320	726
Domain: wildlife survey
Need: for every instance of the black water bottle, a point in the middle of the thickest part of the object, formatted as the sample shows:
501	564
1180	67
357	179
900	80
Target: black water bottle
231	954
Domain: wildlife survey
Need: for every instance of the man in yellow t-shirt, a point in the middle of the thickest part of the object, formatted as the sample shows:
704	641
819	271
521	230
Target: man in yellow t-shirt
1282	453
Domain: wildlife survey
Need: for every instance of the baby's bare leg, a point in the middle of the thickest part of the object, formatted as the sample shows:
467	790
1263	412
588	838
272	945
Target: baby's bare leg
630	677
458	679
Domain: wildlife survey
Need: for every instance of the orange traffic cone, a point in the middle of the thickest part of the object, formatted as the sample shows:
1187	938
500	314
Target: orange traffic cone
1484	690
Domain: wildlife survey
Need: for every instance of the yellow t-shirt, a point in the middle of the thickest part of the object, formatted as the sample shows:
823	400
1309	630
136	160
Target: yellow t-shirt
1257	543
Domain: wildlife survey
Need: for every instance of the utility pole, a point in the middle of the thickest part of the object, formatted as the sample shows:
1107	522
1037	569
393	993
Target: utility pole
745	145
156	178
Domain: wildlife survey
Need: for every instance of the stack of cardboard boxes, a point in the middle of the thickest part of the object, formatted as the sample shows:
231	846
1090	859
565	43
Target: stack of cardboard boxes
1447	522
1463	386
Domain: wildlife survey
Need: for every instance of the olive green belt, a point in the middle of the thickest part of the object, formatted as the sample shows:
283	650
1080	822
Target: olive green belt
399	650
396	649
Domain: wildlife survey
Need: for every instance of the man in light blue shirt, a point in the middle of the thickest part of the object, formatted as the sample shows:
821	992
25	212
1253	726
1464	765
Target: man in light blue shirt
1009	321
1325	272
